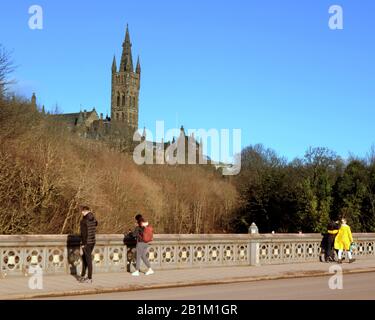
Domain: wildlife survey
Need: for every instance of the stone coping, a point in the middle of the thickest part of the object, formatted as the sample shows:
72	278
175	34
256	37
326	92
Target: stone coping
118	238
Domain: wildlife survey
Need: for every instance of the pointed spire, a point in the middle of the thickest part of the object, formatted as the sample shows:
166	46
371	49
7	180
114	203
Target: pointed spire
144	132
114	65
182	131
138	68
127	36
127	58
33	100
43	110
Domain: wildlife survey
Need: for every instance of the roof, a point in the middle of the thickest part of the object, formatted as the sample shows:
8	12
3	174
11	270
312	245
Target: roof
73	118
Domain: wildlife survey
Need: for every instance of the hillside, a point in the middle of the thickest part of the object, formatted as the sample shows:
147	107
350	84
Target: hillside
46	173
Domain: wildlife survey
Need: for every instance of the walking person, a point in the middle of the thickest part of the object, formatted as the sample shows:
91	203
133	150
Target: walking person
88	226
343	241
333	229
143	232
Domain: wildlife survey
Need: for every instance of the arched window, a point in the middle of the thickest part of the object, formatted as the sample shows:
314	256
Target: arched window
123	100
117	116
118	99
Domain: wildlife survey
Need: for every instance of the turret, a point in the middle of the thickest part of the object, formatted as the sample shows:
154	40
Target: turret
114	65
127	58
33	101
125	87
138	68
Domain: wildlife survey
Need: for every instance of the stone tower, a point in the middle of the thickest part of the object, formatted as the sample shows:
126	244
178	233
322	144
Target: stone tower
33	102
125	88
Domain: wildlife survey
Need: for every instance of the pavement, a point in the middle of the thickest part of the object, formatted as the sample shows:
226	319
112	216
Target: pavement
67	286
359	286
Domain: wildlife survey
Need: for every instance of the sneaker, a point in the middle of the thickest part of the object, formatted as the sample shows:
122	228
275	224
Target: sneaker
149	272
351	260
86	280
135	274
79	278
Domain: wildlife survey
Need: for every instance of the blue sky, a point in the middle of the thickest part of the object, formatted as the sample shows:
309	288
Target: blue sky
271	68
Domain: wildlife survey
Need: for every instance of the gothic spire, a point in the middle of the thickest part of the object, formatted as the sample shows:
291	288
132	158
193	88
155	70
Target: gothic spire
138	68
127	58
114	65
33	101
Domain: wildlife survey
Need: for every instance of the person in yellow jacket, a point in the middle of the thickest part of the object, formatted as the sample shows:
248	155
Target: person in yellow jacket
343	241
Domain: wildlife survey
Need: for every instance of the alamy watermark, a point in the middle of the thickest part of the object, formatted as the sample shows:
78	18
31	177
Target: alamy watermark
336	20
336	282
36	279
221	148
36	19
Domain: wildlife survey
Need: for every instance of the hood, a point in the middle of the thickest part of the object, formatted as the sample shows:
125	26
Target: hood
90	216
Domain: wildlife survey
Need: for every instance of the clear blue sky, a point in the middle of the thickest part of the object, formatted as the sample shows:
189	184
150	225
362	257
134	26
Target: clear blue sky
272	68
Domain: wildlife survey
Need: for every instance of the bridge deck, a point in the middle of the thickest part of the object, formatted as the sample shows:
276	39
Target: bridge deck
61	285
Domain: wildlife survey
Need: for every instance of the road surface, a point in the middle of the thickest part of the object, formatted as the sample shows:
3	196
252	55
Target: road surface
355	286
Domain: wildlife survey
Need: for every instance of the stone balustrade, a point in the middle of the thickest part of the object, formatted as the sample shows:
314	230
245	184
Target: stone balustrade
61	253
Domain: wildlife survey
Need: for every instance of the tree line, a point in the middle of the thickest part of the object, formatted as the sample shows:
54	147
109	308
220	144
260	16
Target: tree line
306	193
47	172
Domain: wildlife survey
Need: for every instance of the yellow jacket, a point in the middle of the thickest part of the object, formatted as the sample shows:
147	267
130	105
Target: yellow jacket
333	232
344	238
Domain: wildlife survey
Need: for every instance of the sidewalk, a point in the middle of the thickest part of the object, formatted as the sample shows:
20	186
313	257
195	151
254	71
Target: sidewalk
66	285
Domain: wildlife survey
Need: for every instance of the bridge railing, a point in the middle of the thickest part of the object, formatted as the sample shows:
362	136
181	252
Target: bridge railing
56	254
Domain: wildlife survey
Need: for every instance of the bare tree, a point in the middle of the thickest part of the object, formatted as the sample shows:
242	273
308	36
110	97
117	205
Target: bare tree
6	68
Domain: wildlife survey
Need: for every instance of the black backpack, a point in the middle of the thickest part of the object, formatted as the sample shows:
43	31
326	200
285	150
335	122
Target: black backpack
129	239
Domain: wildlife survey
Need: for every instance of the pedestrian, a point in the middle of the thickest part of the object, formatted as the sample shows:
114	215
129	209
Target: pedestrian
343	241
88	226
143	232
332	231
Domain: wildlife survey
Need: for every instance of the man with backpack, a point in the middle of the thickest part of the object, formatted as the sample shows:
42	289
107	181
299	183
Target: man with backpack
144	235
88	226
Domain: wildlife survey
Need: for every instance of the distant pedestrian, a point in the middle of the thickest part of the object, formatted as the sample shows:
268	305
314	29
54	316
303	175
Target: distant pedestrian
343	242
329	241
143	232
88	239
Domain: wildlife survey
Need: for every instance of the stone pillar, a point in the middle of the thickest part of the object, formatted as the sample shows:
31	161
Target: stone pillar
253	229
254	245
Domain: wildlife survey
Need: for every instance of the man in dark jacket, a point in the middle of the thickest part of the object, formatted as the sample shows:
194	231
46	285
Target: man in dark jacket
88	231
332	230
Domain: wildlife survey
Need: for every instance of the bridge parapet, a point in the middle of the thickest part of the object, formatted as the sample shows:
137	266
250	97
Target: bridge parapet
60	253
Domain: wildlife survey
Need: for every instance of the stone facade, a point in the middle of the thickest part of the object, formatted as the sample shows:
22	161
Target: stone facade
125	88
123	121
119	128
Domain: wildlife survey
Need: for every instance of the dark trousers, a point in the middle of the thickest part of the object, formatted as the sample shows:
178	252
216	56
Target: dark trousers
87	260
330	253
